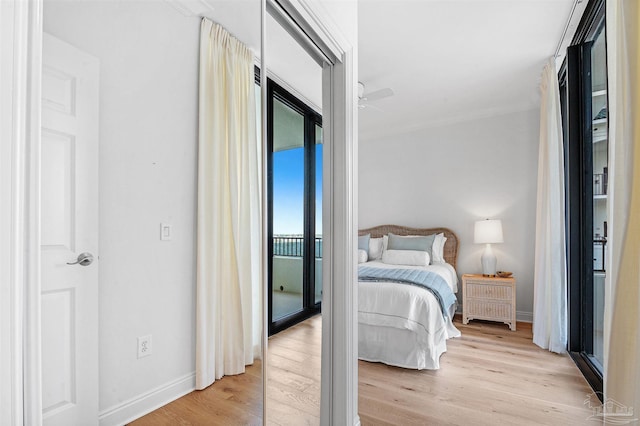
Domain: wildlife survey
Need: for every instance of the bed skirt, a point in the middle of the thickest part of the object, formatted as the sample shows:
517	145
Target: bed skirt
400	347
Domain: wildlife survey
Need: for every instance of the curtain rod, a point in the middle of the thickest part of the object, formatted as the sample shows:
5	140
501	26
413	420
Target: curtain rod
566	27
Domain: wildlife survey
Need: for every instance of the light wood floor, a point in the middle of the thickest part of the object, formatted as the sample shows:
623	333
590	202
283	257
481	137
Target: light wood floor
489	376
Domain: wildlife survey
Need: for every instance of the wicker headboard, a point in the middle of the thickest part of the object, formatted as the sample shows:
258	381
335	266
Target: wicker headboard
450	247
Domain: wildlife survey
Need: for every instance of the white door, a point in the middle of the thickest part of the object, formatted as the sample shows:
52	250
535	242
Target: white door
69	223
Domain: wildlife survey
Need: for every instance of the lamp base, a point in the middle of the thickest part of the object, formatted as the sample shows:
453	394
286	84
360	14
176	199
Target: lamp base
488	262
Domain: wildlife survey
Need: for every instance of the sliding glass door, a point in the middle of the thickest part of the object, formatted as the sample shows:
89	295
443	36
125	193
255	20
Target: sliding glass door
295	188
584	98
599	168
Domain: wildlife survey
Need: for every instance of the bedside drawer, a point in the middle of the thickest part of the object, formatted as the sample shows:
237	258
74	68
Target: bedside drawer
481	309
489	298
488	291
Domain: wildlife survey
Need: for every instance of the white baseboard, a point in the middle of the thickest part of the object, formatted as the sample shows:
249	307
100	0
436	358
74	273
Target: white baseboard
147	402
524	316
521	316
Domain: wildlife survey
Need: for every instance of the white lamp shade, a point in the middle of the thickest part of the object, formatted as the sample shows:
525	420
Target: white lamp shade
488	231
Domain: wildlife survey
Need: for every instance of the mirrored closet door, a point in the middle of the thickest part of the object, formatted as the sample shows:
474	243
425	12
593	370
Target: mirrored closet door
295	162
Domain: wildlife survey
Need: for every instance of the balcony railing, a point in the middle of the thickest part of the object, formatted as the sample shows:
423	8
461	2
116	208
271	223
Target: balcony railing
294	246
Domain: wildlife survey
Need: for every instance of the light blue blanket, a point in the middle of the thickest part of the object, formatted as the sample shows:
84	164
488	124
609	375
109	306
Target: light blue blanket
427	279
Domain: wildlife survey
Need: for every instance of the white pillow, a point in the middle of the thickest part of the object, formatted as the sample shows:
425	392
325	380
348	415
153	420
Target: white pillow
375	248
437	248
406	257
362	256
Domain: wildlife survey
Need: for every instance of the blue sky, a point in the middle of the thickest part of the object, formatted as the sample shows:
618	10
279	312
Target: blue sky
288	191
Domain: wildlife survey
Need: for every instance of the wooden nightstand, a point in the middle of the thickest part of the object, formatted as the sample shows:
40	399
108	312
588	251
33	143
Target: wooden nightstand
489	298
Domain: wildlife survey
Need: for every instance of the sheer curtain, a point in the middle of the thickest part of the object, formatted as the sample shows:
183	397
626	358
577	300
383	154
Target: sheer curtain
622	297
550	279
229	227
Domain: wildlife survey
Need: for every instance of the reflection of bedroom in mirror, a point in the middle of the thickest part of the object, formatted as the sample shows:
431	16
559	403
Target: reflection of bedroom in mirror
133	108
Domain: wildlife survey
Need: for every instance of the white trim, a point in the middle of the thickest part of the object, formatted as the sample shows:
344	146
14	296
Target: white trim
147	402
21	35
523	316
339	393
265	208
10	300
192	8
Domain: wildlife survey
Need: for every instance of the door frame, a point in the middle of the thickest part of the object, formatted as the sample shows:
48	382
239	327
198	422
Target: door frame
21	55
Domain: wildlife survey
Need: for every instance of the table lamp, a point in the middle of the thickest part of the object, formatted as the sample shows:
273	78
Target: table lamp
488	232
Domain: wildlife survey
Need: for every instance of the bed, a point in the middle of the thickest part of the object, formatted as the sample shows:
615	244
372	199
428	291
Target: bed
401	324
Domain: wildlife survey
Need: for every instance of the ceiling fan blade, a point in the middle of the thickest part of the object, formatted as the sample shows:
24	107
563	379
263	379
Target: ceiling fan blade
378	94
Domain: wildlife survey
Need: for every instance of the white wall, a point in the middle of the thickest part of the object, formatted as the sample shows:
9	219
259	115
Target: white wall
287	272
148	56
454	175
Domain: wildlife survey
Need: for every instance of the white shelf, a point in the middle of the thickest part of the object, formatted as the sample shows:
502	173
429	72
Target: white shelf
600	121
599	93
600	197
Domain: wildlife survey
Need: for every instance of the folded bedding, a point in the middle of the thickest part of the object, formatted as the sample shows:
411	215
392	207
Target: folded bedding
430	280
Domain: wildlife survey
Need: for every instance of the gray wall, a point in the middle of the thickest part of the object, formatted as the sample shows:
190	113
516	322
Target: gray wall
454	175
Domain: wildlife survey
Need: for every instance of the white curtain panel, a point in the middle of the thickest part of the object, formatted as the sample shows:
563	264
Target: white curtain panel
550	278
622	296
229	219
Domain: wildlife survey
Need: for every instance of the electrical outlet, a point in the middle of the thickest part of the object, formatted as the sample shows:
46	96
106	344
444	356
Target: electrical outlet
144	346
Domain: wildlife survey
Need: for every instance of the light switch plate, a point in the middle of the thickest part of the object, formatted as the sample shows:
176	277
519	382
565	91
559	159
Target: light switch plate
165	232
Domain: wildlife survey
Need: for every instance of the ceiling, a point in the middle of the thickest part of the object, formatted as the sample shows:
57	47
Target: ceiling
453	60
447	61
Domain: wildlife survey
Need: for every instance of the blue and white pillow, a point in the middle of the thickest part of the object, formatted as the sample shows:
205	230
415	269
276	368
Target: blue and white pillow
419	243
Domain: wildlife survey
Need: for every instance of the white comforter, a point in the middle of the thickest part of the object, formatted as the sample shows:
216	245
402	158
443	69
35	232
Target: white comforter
383	306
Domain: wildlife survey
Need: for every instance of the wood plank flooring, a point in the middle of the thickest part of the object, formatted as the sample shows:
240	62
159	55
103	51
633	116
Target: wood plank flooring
489	376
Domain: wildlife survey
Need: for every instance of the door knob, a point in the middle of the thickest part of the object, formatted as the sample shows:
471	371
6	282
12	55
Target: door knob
84	259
